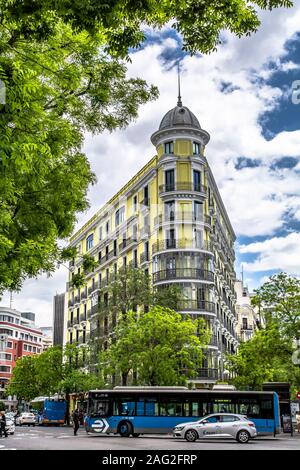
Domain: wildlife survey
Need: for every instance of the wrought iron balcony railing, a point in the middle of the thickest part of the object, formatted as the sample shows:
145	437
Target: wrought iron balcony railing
183	273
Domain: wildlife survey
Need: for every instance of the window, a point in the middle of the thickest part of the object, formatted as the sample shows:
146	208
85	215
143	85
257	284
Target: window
100	233
198	211
89	242
245	323
120	216
9	345
170	211
5	369
25	347
135	203
196	148
170	180
197	180
229	419
169	147
107	227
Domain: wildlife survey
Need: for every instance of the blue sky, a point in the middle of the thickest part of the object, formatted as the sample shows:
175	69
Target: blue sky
241	95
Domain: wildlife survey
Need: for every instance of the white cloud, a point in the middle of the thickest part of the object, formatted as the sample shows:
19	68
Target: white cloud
278	253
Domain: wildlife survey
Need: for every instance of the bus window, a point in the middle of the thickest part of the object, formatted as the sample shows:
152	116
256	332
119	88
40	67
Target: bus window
151	407
249	408
140	407
127	408
171	408
223	407
195	409
266	409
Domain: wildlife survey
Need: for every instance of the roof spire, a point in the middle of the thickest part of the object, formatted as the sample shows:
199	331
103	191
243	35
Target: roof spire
179	102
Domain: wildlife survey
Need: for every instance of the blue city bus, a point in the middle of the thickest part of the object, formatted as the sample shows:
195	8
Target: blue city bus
50	410
156	410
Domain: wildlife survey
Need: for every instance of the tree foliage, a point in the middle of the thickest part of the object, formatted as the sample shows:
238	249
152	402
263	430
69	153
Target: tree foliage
160	346
268	356
54	371
122	22
56	89
279	300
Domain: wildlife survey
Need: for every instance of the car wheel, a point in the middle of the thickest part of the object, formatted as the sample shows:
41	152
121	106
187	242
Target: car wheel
243	437
191	435
125	429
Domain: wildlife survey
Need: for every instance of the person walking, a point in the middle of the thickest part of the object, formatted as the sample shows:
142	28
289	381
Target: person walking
298	421
3	424
75	417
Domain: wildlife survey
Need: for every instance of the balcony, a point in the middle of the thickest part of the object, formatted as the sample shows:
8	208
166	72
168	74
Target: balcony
172	244
71	303
82	318
70	324
190	305
127	243
145	232
93	288
145	257
196	274
182	217
77	299
184	187
83	295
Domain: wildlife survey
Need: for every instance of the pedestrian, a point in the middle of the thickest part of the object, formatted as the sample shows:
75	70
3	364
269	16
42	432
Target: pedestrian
298	421
3	424
75	417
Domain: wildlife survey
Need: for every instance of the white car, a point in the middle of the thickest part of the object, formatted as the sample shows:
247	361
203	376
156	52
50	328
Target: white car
26	418
10	424
218	425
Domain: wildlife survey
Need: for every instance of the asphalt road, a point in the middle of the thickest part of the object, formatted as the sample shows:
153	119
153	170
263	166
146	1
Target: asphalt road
62	438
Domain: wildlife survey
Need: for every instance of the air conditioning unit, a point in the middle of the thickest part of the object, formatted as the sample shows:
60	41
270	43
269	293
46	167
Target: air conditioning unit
3	337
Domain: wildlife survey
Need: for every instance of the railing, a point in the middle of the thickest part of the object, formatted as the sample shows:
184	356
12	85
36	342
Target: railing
75	321
126	243
171	244
185	186
182	217
144	257
183	273
145	231
84	295
202	305
207	373
247	328
94	287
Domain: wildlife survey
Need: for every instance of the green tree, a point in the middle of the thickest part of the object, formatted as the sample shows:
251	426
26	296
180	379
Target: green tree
2	406
161	346
268	355
56	89
279	300
24	381
122	22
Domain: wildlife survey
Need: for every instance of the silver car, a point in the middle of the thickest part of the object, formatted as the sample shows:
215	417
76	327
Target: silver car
236	426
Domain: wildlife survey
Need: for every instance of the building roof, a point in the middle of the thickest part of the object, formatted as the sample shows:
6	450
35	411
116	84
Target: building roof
179	116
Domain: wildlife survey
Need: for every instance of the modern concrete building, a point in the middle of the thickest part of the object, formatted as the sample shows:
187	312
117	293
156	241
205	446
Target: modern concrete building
169	219
58	319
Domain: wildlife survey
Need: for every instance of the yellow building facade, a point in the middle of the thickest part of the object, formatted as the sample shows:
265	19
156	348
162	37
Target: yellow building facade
169	219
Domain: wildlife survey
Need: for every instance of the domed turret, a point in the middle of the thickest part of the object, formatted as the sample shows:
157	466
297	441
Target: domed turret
179	122
179	116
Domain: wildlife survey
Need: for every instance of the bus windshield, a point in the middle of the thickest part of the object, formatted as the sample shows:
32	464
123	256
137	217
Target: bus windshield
98	407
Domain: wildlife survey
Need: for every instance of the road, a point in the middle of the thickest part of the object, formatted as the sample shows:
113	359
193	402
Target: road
54	438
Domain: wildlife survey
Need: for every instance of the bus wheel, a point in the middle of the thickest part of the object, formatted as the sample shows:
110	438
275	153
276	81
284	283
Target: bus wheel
125	429
135	434
243	437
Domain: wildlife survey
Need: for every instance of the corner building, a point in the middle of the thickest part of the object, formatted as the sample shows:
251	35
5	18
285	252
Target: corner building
169	219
